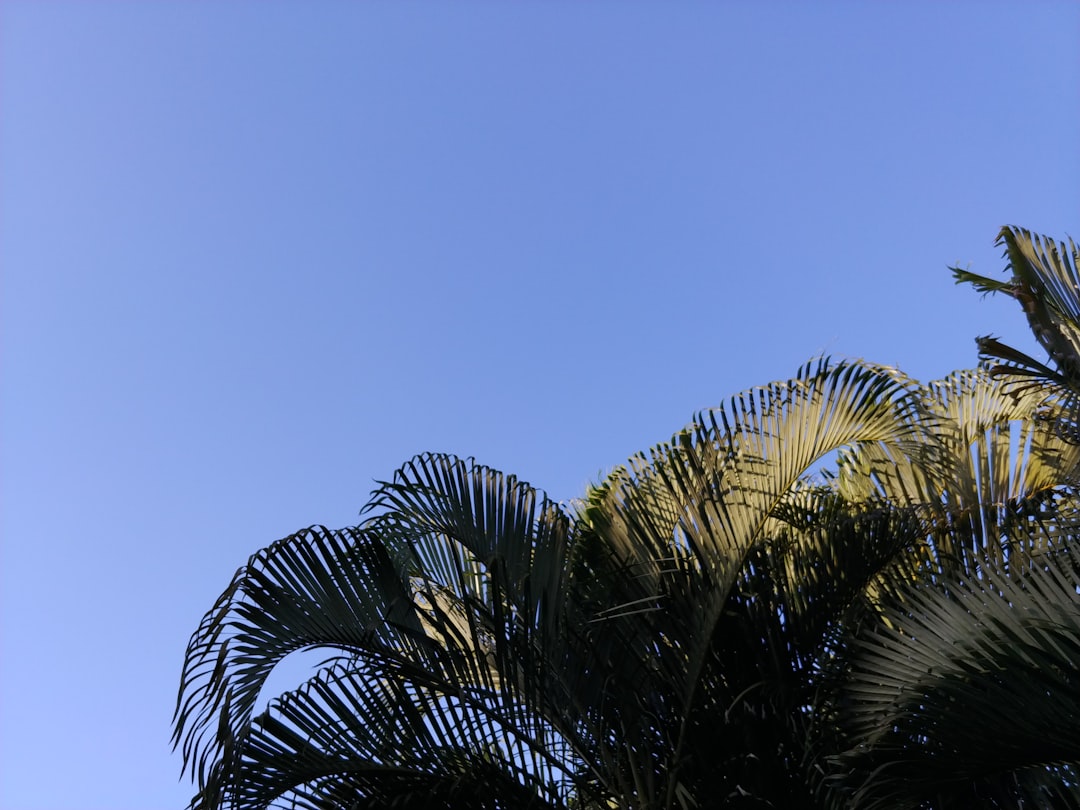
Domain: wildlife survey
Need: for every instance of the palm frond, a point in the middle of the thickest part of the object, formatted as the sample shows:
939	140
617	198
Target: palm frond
969	685
685	521
1006	460
1046	283
317	588
350	737
448	594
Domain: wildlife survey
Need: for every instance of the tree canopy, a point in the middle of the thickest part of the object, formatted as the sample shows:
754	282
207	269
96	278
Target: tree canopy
844	589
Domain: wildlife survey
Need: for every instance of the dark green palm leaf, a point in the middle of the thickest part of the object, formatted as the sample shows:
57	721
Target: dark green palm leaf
447	594
969	685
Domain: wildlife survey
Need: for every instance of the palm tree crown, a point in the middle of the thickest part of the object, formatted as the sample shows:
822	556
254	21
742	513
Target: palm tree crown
722	622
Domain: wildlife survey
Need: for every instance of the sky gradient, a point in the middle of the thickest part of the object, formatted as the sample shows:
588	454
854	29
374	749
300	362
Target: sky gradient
254	256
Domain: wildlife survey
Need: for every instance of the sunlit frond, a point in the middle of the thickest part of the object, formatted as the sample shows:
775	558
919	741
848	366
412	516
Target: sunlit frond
687	520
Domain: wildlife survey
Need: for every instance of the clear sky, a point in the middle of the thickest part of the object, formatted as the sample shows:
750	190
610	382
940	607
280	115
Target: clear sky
256	255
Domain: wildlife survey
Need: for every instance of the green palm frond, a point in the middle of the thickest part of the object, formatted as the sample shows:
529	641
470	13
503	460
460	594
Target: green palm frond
711	492
685	522
350	738
446	598
1046	283
998	549
315	589
1007	458
968	686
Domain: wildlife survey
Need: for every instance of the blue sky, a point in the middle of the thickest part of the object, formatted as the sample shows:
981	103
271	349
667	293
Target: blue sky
256	255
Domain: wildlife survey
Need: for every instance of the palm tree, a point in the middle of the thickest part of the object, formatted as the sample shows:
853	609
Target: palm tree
961	690
1046	284
720	623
